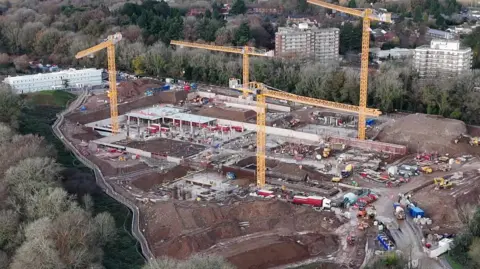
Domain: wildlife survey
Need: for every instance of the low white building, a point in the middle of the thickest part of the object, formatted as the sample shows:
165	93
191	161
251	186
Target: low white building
55	80
395	53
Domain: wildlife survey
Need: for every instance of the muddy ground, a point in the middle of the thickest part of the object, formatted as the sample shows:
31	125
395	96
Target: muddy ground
227	113
180	229
164	146
147	181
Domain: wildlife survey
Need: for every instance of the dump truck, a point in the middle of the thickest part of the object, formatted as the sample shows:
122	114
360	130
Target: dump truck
326	152
399	212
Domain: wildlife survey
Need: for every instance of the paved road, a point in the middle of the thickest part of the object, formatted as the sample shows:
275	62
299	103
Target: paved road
100	179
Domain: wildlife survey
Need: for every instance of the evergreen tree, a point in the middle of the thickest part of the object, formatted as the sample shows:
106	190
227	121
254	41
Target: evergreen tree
238	7
242	35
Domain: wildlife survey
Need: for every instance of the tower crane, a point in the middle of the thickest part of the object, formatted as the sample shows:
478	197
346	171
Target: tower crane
246	51
109	44
261	92
368	15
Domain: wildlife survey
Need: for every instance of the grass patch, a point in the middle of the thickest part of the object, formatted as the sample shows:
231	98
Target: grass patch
37	118
452	262
54	98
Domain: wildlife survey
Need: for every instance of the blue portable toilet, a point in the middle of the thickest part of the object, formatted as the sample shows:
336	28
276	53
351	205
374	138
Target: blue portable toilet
83	108
231	175
370	122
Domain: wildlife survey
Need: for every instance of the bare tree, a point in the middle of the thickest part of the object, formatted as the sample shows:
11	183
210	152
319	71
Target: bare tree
162	263
206	262
132	33
4	260
11	30
21	62
30	176
9	221
4	59
38	229
49	202
39	254
106	229
29	33
474	252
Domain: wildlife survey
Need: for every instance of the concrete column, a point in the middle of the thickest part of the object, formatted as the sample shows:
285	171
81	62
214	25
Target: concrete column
191	127
128	126
138	126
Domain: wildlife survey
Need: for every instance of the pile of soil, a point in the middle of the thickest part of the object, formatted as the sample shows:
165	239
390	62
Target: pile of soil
421	132
129	89
228	114
146	182
162	97
180	229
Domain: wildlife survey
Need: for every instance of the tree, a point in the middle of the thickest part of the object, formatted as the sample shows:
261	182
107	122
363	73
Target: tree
138	64
474	251
105	228
238	7
387	88
11	105
242	34
417	14
352	4
21	63
37	253
4	59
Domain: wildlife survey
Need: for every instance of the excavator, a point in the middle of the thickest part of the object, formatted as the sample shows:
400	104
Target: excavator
442	183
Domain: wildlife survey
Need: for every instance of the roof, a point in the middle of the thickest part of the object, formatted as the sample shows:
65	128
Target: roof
155	113
438	32
191	118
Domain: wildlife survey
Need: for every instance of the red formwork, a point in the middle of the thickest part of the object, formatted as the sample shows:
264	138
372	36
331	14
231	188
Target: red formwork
370	145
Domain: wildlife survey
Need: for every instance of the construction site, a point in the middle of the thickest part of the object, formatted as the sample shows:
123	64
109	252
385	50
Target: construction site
188	159
269	179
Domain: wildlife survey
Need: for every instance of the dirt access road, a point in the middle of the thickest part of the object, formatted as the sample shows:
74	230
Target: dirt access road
408	236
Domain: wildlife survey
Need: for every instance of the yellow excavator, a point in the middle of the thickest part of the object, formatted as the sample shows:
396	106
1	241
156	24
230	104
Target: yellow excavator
442	183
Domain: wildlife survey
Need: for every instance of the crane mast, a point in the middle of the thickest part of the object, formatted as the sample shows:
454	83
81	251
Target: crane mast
109	44
367	15
262	92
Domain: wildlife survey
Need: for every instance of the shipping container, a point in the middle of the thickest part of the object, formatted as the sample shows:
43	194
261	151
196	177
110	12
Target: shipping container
416	212
165	87
152	130
300	200
164	129
187	88
265	193
316	201
193	85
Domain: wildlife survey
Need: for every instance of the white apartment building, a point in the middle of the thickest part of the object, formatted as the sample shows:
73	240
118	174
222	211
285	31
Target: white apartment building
306	41
442	57
55	80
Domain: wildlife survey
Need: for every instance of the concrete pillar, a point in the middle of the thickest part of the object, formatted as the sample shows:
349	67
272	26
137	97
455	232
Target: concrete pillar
138	125
191	127
128	126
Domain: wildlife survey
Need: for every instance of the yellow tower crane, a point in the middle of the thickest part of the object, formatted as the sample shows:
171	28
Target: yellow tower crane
109	44
262	92
246	51
368	15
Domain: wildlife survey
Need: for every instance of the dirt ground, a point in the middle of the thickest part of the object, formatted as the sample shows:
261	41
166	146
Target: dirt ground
179	229
227	113
129	89
162	97
421	132
86	134
447	208
146	182
165	146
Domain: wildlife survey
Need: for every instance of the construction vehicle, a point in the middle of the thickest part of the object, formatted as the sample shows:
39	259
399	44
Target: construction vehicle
262	92
474	141
426	169
326	152
367	15
246	51
442	183
399	212
109	44
351	238
336	179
